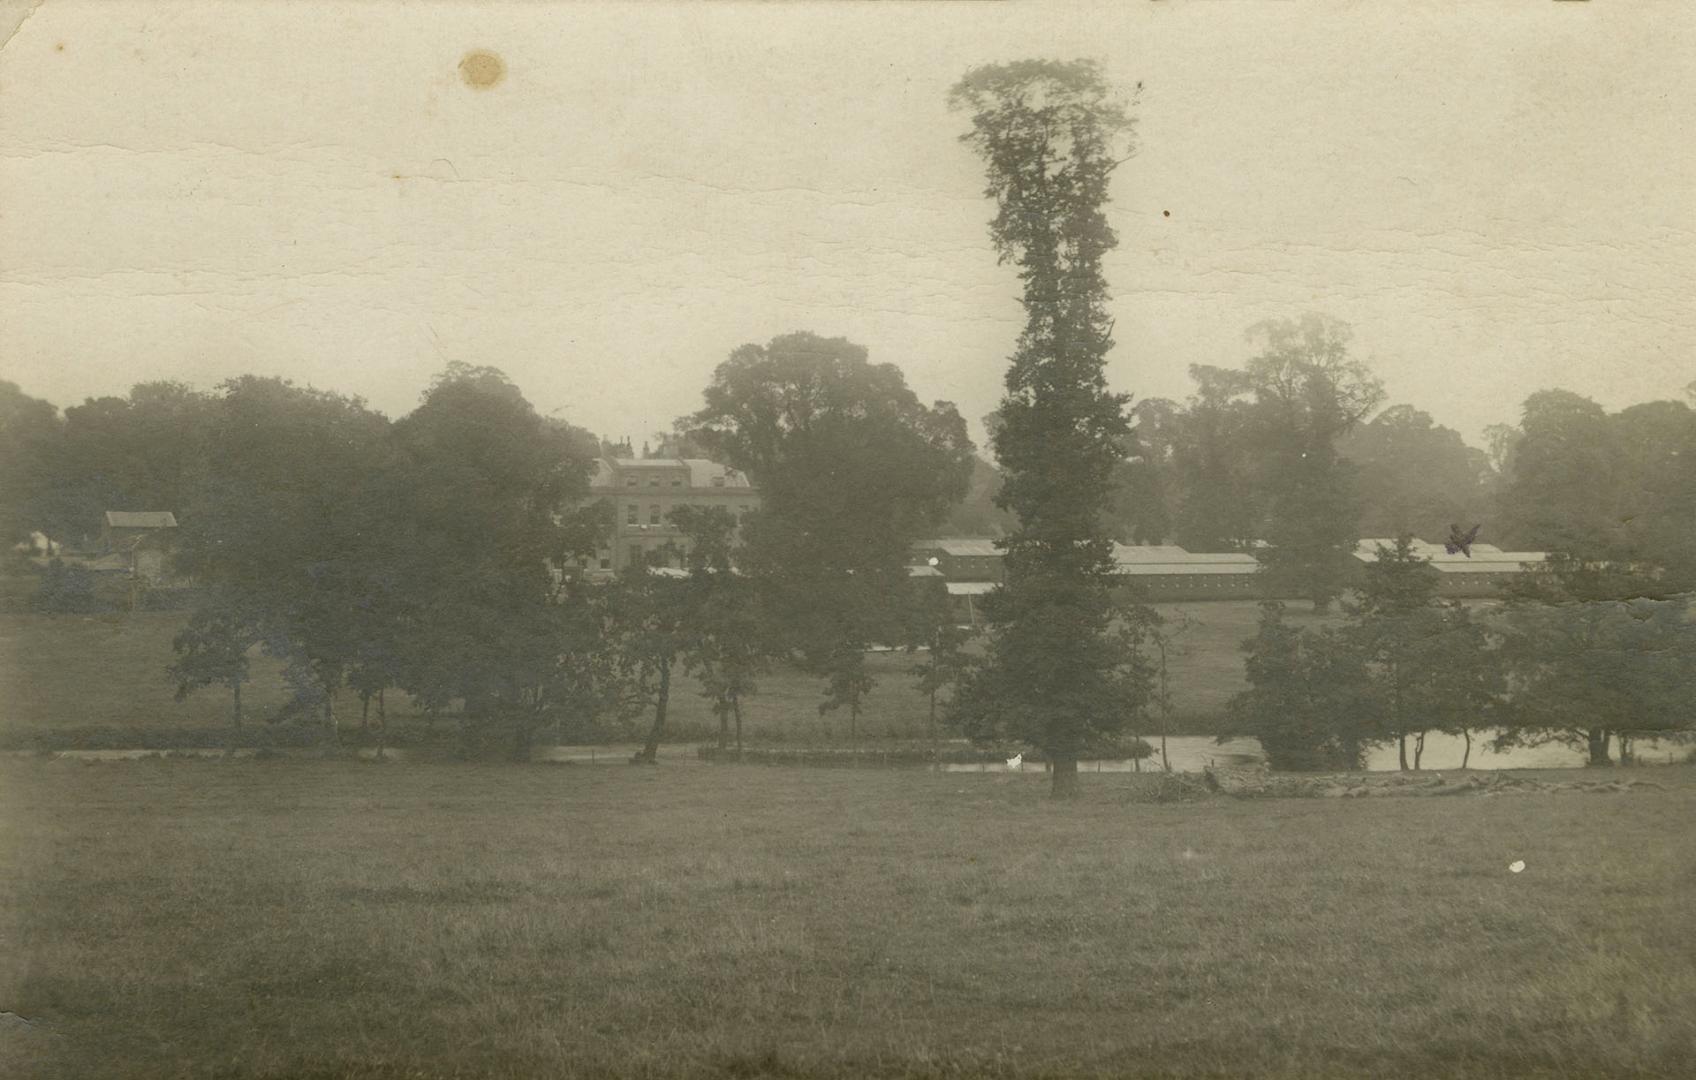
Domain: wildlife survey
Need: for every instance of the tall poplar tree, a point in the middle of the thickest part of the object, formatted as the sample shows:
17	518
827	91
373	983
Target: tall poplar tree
1059	674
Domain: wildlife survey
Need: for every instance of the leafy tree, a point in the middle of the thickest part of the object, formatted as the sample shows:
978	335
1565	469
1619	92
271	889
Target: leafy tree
1500	441
67	590
31	456
852	469
976	514
1618	487
1059	674
1310	699
1140	509
276	526
1596	652
1166	639
728	640
1561	484
1654	446
486	493
1431	663
648	633
1414	476
946	660
1308	394
213	650
1216	501
851	466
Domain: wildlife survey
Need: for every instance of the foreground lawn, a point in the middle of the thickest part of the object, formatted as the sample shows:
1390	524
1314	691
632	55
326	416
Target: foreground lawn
333	919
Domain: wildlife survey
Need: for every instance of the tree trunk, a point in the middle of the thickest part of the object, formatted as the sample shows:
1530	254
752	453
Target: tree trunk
330	715
853	721
365	710
1418	750
723	725
736	707
382	714
520	735
650	752
1625	753
1065	783
235	710
1597	738
1401	751
1466	733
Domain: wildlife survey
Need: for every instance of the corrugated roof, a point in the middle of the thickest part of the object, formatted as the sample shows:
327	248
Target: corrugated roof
1147	553
1189	569
141	519
1126	554
1482	555
1461	566
970	588
961	546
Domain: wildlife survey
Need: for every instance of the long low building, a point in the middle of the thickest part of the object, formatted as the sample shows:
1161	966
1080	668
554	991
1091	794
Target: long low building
1477	576
1165	572
1168	572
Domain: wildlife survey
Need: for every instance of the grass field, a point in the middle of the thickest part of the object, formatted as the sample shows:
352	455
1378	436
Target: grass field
101	671
311	918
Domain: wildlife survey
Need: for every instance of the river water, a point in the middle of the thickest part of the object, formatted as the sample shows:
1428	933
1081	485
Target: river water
1192	753
1188	753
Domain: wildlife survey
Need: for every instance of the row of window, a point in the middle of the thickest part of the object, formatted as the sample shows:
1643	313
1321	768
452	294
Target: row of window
632	512
654	482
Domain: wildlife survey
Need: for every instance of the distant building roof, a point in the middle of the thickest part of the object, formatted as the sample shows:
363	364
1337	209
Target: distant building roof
702	473
1170	554
141	519
1188	569
960	546
923	571
1438	555
970	588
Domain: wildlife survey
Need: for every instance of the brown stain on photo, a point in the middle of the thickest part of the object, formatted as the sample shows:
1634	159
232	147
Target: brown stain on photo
481	69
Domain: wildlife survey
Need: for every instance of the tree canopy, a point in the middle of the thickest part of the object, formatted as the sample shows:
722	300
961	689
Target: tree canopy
1059	673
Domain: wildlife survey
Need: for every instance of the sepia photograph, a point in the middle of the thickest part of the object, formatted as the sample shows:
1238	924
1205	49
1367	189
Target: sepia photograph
910	540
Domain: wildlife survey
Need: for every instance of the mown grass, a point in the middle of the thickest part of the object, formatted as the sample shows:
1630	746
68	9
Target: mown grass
60	672
330	919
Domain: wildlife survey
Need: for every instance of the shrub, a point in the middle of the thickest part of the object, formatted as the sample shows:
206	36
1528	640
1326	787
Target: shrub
68	590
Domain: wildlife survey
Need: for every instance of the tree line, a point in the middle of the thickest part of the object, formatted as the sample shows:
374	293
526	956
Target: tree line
437	554
430	553
1591	655
1289	458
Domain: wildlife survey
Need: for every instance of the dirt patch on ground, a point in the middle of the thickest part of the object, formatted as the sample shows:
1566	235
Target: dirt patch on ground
1262	784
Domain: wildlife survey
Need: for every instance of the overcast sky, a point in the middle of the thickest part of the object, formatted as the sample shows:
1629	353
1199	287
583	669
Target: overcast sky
1499	197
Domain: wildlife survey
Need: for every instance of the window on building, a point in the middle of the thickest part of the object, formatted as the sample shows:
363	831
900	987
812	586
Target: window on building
636	558
677	483
654	515
629	481
630	514
606	562
655	482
